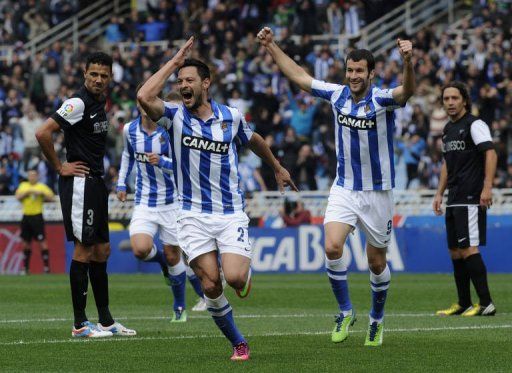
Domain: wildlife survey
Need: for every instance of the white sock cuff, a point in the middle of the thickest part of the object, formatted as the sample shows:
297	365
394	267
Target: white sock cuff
151	253
385	276
337	265
177	269
219	306
190	272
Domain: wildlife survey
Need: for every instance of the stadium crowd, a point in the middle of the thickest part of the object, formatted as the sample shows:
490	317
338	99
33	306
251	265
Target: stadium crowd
298	128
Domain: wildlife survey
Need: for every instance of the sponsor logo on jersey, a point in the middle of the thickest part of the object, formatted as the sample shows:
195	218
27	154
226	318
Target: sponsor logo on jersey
451	146
355	122
211	146
100	127
142	157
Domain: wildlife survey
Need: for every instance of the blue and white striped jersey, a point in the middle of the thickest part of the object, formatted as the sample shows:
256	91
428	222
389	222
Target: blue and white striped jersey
154	186
205	157
363	135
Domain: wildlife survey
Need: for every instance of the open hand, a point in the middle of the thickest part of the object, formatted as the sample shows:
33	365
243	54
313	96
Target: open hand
78	168
436	205
179	58
284	179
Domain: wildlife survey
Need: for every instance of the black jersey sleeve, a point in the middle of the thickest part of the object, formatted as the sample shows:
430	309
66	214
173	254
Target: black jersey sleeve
70	113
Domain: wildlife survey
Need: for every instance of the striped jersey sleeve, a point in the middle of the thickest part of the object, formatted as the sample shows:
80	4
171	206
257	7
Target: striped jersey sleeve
127	160
244	132
324	90
384	97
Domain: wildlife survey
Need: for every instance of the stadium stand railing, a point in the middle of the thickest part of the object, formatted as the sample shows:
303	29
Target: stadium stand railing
412	16
85	26
267	204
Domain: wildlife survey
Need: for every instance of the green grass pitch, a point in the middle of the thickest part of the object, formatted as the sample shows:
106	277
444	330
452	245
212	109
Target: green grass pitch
287	320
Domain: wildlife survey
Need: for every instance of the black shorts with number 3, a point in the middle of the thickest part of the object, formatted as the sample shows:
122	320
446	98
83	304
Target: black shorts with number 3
466	226
84	202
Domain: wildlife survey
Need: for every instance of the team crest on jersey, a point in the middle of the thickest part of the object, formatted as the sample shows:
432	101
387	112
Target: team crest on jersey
162	140
224	126
367	108
355	122
199	143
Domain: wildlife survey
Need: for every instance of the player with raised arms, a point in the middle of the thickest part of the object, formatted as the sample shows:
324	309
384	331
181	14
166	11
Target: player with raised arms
204	138
361	194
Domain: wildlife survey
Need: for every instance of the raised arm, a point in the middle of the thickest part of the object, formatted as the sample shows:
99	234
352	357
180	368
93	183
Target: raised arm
402	93
289	68
148	93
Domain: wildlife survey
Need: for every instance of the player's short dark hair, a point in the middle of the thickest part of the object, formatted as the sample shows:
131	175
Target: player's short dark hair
464	92
362	54
202	69
99	58
33	169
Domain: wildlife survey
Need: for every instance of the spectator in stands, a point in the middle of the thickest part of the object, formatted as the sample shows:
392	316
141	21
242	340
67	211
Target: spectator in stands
412	148
305	170
302	115
294	214
30	121
153	29
113	32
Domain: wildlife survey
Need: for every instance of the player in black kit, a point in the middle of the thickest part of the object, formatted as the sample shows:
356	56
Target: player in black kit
83	194
468	172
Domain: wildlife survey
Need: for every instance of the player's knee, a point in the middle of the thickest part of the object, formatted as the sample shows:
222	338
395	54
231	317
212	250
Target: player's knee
101	252
377	266
173	257
236	279
212	289
333	250
141	252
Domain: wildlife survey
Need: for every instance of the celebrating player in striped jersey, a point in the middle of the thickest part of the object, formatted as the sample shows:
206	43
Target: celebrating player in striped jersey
156	202
361	193
204	140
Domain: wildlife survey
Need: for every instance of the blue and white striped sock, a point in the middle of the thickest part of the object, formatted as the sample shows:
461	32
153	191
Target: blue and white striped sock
380	285
222	314
178	277
156	256
337	272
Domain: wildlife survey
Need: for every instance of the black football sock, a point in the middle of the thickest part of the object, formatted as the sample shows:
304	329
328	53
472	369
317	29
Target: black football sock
46	258
478	273
462	281
79	282
26	259
99	284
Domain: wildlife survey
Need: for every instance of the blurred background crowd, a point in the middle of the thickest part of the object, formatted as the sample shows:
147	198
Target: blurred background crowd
298	128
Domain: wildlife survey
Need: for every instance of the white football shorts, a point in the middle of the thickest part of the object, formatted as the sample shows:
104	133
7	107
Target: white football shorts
150	221
200	233
370	210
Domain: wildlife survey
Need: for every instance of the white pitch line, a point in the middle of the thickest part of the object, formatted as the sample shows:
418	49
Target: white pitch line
247	316
272	334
